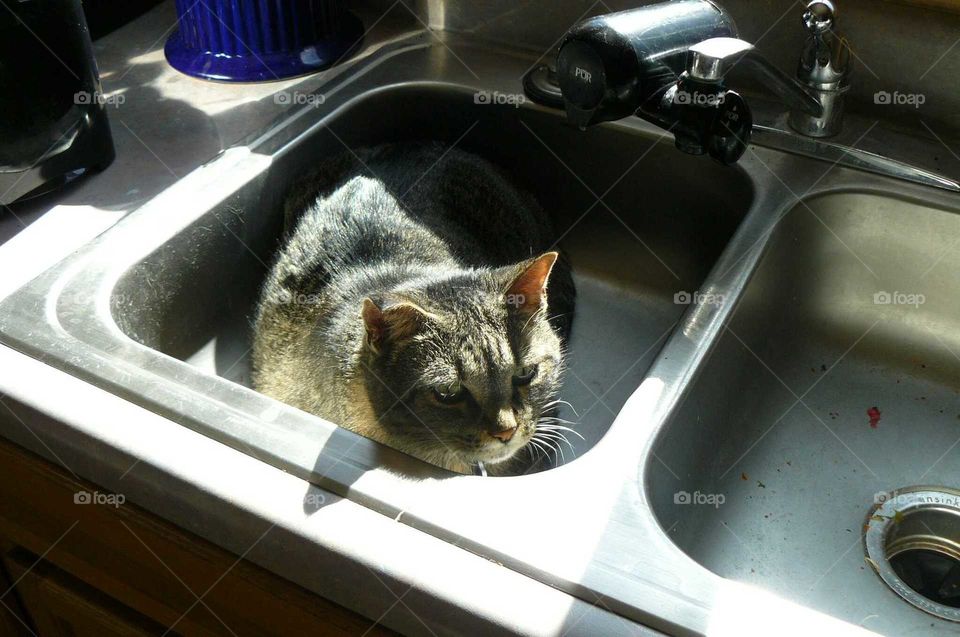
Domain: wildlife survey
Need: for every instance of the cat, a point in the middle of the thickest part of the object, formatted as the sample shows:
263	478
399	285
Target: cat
418	301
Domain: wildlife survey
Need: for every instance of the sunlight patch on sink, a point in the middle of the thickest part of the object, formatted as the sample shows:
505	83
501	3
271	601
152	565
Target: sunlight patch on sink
741	610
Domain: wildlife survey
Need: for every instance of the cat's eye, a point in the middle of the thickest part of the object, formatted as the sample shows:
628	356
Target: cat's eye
450	394
525	375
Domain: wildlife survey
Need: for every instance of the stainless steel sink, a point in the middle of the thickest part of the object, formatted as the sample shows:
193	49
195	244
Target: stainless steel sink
853	312
669	251
192	296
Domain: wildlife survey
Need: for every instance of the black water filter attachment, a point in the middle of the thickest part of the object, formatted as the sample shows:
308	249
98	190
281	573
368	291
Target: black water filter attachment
53	120
608	66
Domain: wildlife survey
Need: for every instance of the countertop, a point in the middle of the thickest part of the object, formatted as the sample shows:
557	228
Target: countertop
164	125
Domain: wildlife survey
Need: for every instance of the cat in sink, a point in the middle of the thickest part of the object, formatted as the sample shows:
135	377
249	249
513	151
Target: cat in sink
418	301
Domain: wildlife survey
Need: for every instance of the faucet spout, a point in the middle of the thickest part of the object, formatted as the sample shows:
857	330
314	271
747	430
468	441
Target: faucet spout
712	59
783	86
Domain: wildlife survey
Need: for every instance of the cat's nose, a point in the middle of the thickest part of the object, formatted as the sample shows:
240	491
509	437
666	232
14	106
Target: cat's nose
504	435
505	424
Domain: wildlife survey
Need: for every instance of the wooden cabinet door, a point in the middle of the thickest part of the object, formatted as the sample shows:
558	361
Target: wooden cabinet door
13	621
126	559
62	606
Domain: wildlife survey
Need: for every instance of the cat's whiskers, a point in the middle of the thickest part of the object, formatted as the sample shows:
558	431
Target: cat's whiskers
535	447
559	448
556	316
554	403
555	420
541	449
551	448
552	440
551	427
538	439
536	314
559	437
551	431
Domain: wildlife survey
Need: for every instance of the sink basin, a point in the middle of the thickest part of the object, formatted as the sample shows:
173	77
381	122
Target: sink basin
158	309
192	297
835	380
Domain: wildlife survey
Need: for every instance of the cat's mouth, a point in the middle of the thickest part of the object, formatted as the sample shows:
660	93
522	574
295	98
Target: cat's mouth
495	452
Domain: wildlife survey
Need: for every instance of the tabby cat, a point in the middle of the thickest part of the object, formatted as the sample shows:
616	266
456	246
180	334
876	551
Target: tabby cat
417	301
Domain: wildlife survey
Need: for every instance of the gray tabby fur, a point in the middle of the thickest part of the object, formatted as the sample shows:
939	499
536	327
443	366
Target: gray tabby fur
435	238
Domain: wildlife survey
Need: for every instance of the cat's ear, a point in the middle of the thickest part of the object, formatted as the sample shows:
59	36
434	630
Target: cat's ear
391	323
527	291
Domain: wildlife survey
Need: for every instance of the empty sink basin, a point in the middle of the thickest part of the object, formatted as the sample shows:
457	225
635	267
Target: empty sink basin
835	382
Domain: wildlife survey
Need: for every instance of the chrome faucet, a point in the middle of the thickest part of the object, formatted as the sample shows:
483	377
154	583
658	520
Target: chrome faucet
824	70
668	63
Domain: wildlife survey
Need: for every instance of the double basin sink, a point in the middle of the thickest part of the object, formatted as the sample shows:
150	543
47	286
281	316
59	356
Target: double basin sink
757	352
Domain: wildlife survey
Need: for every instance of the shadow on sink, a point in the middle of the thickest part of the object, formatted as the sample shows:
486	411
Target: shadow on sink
652	236
835	380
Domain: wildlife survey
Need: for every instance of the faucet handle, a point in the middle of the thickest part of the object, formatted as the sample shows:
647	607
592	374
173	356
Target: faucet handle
818	17
825	59
710	60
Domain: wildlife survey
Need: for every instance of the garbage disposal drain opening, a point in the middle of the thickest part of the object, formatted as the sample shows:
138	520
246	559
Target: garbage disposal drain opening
912	539
932	574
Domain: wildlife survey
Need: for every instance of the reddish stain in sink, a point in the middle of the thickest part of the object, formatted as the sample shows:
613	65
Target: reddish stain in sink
874	415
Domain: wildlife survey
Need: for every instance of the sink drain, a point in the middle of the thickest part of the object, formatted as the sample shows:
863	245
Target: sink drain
912	538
